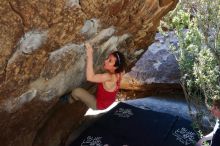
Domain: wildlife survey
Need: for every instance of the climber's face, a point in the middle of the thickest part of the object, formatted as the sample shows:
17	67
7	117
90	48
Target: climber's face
109	63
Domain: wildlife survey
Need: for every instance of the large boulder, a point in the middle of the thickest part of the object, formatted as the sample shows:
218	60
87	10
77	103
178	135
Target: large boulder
42	57
157	71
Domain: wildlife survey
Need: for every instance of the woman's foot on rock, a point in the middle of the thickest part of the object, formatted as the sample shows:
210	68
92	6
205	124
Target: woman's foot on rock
67	98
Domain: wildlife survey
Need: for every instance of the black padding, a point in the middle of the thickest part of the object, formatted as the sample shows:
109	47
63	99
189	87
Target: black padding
132	126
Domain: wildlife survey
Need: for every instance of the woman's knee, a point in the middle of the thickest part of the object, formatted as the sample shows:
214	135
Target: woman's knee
84	96
78	92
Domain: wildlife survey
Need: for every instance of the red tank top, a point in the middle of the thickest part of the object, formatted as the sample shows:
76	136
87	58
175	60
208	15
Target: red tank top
105	98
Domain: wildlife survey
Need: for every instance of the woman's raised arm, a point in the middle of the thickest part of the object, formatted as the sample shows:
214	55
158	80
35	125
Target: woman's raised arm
90	74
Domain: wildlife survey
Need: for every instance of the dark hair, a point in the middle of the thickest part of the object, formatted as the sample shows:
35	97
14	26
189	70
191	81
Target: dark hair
120	61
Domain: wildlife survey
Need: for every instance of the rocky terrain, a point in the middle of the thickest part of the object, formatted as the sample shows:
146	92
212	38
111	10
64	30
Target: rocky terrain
42	57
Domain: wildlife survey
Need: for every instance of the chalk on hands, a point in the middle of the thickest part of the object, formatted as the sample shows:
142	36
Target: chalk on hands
88	46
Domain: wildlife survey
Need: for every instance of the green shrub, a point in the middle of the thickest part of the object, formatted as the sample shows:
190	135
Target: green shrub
197	25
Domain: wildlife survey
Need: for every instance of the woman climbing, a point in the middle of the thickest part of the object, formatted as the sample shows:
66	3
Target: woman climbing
108	82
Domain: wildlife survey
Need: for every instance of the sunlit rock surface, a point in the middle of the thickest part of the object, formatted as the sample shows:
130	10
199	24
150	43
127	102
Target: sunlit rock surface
42	57
157	70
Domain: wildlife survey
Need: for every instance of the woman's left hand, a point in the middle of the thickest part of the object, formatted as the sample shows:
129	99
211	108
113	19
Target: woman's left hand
89	50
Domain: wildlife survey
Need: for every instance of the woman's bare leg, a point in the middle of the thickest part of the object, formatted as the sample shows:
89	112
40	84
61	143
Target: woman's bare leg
84	96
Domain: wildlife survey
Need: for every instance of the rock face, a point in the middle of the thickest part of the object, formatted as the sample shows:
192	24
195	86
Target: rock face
42	56
157	70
